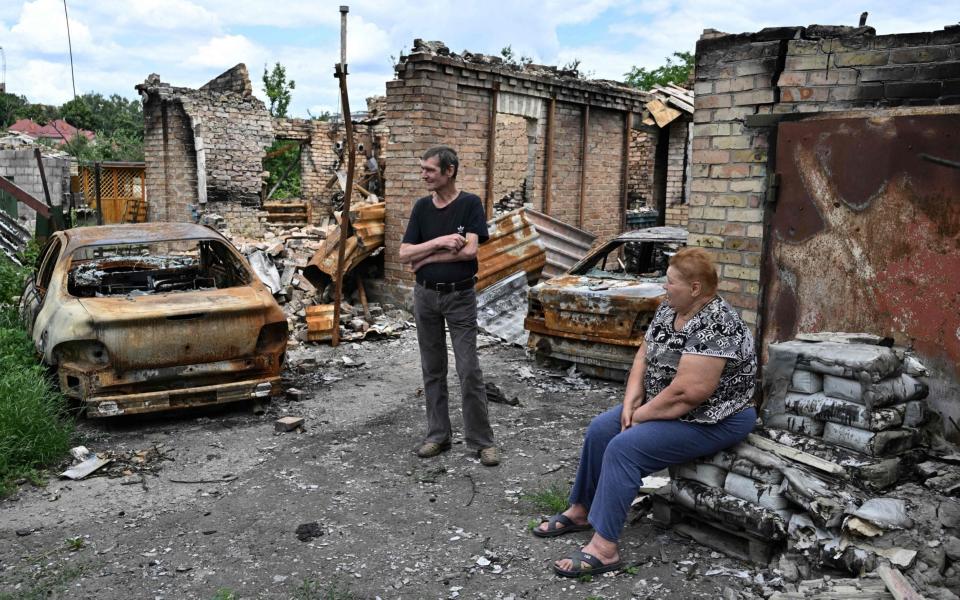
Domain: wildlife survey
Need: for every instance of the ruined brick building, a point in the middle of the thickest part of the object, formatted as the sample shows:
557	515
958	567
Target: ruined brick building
825	181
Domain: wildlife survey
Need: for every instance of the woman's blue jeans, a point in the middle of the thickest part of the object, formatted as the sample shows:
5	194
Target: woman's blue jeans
613	463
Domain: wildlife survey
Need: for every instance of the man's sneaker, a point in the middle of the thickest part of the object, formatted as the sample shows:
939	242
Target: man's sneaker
489	456
431	449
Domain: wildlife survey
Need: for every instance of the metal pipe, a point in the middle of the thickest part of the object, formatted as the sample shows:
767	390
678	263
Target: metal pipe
344	9
491	148
548	176
585	131
341	73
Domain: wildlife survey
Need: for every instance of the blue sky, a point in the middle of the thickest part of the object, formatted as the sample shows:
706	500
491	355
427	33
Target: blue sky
117	43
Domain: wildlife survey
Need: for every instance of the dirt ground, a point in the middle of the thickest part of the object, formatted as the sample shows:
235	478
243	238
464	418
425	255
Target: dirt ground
213	507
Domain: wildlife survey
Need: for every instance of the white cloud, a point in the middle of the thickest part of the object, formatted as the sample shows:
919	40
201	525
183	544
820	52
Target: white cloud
41	81
42	27
226	51
165	14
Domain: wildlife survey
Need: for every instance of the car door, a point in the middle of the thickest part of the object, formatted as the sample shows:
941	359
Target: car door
35	290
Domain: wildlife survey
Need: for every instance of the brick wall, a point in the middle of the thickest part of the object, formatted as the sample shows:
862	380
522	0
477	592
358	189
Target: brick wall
510	167
643	149
676	201
203	145
790	70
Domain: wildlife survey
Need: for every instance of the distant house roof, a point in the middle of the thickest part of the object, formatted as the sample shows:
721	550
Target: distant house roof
56	130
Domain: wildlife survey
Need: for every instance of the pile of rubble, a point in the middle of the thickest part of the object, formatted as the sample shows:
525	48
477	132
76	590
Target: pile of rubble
846	473
297	264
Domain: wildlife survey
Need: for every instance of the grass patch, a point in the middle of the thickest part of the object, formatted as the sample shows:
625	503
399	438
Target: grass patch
311	589
551	500
35	428
225	594
48	582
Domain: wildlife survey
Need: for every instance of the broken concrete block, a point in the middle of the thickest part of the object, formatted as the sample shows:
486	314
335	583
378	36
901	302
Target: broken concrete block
284	424
844	412
796	424
276	250
295	394
765	494
806	382
868	442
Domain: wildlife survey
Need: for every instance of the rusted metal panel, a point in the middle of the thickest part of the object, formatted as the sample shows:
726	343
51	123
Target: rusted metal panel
148	317
514	245
320	323
865	235
565	244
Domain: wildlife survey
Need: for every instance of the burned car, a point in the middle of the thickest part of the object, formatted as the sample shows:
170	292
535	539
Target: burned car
597	313
154	316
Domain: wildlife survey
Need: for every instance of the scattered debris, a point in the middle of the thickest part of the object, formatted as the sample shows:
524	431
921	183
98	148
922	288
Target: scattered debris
494	394
284	424
828	480
88	463
308	531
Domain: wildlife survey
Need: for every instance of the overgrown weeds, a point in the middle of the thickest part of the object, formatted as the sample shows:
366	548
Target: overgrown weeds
35	429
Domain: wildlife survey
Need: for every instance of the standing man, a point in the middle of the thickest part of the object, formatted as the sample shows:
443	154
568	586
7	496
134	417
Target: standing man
440	245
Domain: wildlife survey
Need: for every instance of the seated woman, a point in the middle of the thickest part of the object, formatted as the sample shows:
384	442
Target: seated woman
689	394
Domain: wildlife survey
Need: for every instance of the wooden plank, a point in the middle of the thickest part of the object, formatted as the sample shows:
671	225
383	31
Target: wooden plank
662	114
22	195
796	455
897	584
684	106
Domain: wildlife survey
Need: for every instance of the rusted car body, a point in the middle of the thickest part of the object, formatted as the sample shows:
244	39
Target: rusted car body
597	313
154	316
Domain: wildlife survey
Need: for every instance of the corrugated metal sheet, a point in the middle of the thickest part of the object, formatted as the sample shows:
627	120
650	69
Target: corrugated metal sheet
514	245
565	244
502	307
13	237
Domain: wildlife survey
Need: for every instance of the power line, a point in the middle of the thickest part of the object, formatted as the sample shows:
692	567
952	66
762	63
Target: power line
70	45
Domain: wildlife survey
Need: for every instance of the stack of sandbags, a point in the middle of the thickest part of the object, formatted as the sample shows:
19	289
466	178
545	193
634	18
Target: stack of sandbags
853	395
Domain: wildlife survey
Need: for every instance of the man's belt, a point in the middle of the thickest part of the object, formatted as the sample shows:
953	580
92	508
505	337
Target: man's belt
446	288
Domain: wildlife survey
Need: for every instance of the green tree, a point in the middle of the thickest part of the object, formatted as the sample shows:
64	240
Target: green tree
78	113
678	73
10	106
278	89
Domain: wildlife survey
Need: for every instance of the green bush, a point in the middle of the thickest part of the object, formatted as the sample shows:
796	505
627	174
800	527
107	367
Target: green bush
35	429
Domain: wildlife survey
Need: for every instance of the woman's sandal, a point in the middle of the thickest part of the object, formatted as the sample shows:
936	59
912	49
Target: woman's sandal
553	531
596	566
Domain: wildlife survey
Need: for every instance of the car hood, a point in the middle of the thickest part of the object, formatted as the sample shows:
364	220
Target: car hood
176	328
596	306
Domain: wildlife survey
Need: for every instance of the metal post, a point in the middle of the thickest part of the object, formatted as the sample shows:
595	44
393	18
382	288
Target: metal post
96	185
341	73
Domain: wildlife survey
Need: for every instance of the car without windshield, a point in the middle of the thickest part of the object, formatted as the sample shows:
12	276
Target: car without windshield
155	316
596	314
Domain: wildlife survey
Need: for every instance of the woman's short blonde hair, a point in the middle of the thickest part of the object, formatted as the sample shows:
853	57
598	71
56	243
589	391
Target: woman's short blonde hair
696	264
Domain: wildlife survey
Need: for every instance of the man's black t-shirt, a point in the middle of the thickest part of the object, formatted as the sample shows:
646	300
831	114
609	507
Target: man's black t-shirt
464	215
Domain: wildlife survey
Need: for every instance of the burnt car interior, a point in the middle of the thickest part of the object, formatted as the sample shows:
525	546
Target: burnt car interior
631	261
137	269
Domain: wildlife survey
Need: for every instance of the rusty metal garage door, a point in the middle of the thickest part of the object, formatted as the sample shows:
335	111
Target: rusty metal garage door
865	233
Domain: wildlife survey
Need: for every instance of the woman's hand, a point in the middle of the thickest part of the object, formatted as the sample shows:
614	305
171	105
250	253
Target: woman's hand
626	415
